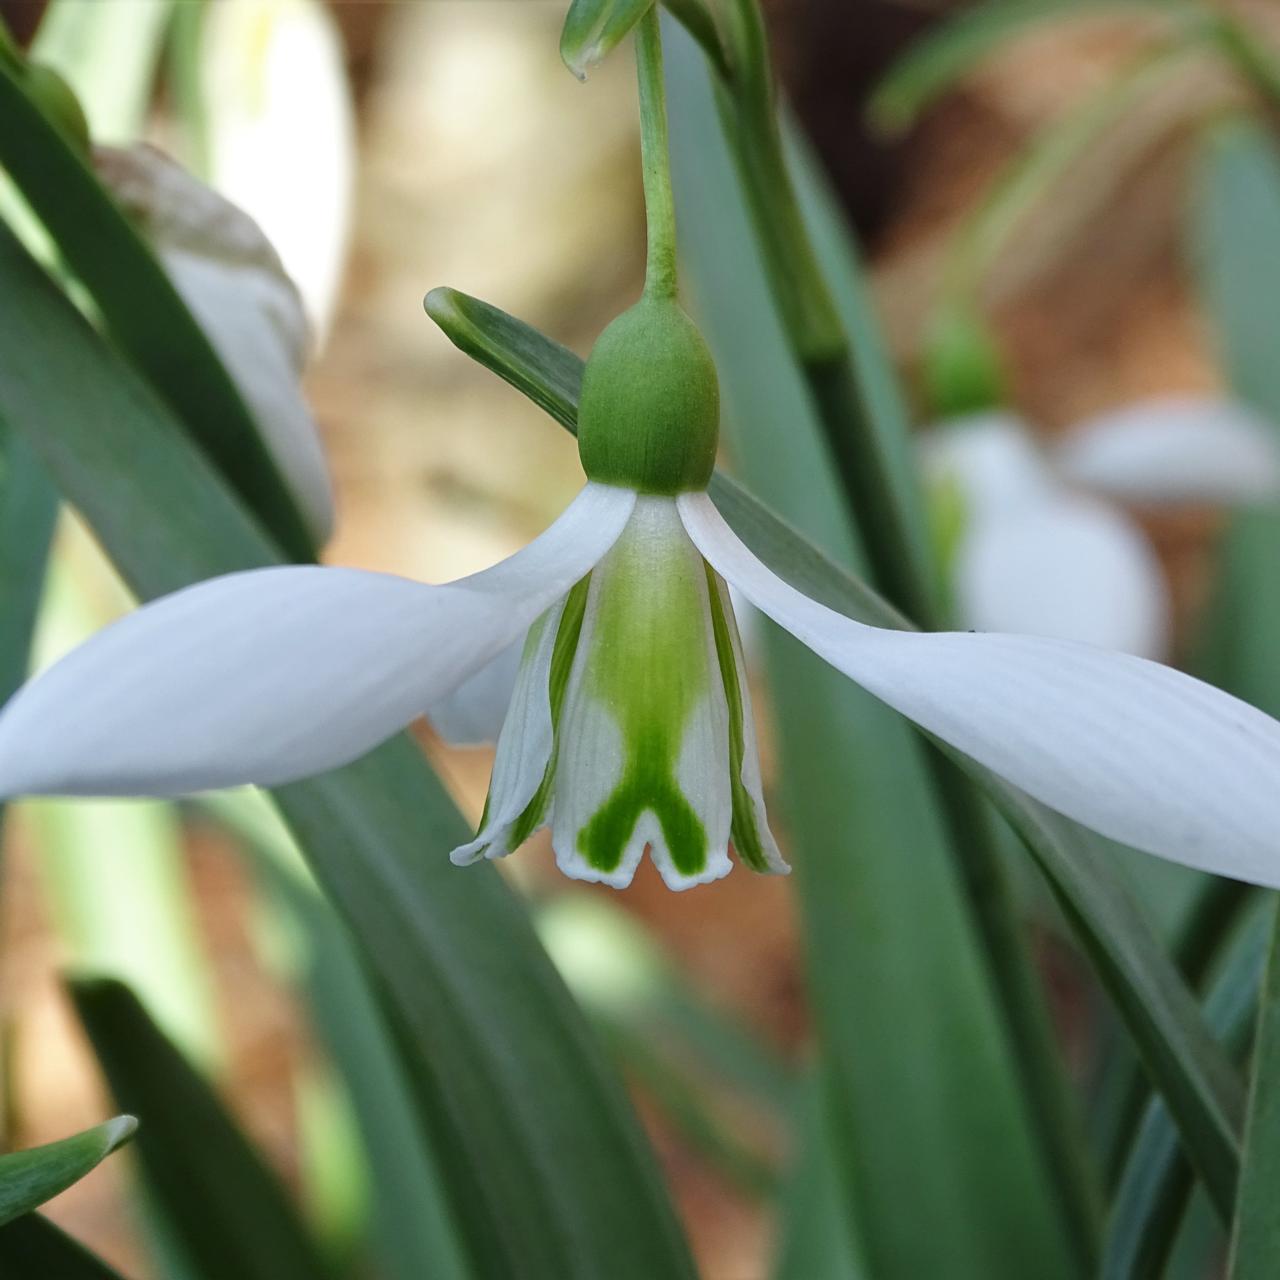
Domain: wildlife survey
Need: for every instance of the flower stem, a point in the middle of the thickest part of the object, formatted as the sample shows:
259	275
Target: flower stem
659	203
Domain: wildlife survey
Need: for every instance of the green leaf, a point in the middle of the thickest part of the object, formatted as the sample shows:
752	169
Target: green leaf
229	1214
1154	1189
32	1248
1235	246
945	55
506	1077
1204	1092
28	509
28	512
815	1242
411	1235
141	309
1255	1236
594	28
29	1178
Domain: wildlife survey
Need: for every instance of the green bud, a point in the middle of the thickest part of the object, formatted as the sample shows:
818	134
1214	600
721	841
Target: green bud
594	28
963	371
649	413
54	96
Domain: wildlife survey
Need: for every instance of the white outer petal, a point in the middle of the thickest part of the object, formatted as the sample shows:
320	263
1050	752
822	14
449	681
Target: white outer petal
473	714
272	675
524	745
1137	751
1175	449
1071	568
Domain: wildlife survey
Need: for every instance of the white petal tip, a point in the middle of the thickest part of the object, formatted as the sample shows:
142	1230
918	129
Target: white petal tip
678	882
576	869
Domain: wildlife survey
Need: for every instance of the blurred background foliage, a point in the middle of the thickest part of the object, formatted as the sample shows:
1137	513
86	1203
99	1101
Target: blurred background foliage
821	1068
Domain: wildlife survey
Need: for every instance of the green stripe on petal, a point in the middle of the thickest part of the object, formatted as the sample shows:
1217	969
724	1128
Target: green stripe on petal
752	838
644	746
566	646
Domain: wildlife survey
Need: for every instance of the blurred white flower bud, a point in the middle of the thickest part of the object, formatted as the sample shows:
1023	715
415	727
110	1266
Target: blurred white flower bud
232	279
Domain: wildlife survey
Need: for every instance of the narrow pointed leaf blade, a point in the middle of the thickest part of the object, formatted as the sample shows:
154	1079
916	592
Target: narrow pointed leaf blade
29	1178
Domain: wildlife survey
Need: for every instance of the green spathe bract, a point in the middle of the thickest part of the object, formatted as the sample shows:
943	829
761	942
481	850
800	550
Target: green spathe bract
649	416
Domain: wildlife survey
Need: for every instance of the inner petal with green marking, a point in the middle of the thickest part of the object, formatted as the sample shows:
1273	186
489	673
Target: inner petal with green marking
642	752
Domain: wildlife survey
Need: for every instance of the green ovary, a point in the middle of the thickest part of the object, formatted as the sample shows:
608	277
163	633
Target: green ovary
648	665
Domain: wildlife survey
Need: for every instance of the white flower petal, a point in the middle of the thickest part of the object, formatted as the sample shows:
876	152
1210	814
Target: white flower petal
234	284
276	674
643	747
282	134
1175	449
1072	568
1137	751
524	745
473	714
992	458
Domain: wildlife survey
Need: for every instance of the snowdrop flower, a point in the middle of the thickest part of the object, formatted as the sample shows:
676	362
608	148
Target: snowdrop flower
1043	546
232	280
630	725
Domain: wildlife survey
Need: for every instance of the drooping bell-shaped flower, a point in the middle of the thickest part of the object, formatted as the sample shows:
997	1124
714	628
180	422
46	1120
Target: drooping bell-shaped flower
1038	542
630	725
231	278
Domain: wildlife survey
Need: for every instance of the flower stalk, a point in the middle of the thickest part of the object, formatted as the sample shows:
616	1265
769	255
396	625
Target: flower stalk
655	161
